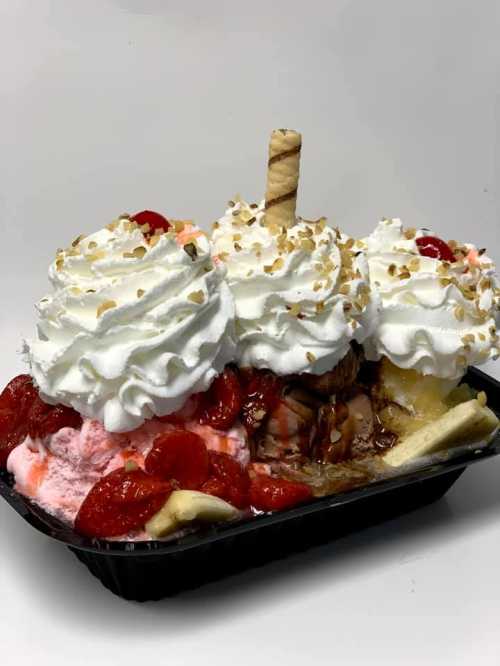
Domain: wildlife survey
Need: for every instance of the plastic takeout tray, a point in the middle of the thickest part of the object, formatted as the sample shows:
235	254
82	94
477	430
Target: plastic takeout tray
151	570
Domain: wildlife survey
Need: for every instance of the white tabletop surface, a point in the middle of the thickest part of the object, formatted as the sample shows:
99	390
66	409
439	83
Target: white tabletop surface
117	105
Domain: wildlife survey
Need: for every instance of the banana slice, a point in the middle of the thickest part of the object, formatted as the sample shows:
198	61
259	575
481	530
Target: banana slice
185	506
468	422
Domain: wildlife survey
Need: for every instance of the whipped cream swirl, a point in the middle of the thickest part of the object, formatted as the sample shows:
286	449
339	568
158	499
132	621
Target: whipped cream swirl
301	294
134	326
437	317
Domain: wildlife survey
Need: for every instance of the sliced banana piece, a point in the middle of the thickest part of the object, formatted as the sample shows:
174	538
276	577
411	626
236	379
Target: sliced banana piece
186	506
468	422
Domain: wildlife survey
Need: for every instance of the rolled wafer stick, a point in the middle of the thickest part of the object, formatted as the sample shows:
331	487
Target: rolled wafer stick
282	177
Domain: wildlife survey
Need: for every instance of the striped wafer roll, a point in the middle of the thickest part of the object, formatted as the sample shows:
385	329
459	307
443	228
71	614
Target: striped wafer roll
282	177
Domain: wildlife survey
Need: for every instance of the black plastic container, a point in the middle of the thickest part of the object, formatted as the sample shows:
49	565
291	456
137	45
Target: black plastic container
152	570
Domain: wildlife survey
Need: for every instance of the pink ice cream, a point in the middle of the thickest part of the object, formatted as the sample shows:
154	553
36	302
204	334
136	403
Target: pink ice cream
58	472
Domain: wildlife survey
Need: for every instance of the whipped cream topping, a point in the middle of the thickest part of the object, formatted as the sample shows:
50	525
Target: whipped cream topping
437	317
301	294
134	325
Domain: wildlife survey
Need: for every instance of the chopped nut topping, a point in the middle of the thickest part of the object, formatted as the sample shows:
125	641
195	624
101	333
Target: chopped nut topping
197	297
320	307
459	313
294	309
236	237
481	336
410	233
317	286
139	252
191	250
77	240
92	245
275	266
223	256
90	291
237	247
215	225
140	293
95	256
414	264
310	357
107	305
392	269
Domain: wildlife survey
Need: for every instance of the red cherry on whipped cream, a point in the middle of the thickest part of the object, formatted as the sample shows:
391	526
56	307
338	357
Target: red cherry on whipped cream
434	247
155	221
120	502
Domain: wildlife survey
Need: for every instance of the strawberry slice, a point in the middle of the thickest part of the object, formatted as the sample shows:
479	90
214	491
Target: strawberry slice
434	247
179	455
228	480
23	412
15	403
155	221
120	502
270	494
221	404
47	419
262	395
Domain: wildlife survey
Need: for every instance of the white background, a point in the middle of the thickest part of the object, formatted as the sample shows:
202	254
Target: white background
120	105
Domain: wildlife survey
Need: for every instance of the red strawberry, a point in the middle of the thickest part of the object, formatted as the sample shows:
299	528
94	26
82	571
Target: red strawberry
16	401
269	494
228	480
179	455
262	395
47	419
120	502
23	412
221	404
431	246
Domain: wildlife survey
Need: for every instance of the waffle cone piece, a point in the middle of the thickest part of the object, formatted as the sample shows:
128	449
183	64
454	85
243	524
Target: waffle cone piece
283	177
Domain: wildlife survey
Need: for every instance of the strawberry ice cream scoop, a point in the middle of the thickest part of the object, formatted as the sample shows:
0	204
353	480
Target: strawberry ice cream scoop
58	472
